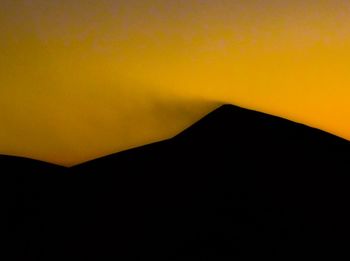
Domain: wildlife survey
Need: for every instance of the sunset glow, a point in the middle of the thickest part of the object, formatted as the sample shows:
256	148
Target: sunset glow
82	79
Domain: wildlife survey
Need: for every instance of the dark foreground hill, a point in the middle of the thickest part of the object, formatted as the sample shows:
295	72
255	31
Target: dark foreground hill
238	184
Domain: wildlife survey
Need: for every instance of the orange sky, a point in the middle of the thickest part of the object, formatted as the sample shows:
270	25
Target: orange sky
82	79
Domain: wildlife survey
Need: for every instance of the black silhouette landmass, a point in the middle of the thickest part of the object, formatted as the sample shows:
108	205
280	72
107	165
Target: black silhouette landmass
237	184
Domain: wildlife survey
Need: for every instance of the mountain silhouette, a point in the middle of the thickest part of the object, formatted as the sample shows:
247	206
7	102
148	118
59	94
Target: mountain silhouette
237	184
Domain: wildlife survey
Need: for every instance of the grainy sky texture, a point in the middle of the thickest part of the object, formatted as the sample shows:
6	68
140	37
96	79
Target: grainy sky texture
82	79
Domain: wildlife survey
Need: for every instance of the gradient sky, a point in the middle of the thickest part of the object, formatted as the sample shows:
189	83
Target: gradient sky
82	79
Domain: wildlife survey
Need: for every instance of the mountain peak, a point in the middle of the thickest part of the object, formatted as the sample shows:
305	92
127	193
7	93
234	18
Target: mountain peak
229	122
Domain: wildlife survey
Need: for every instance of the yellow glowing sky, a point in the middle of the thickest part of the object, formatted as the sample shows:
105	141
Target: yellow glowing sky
82	79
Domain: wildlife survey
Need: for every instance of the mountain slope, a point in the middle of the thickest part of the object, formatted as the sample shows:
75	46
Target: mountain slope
237	184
